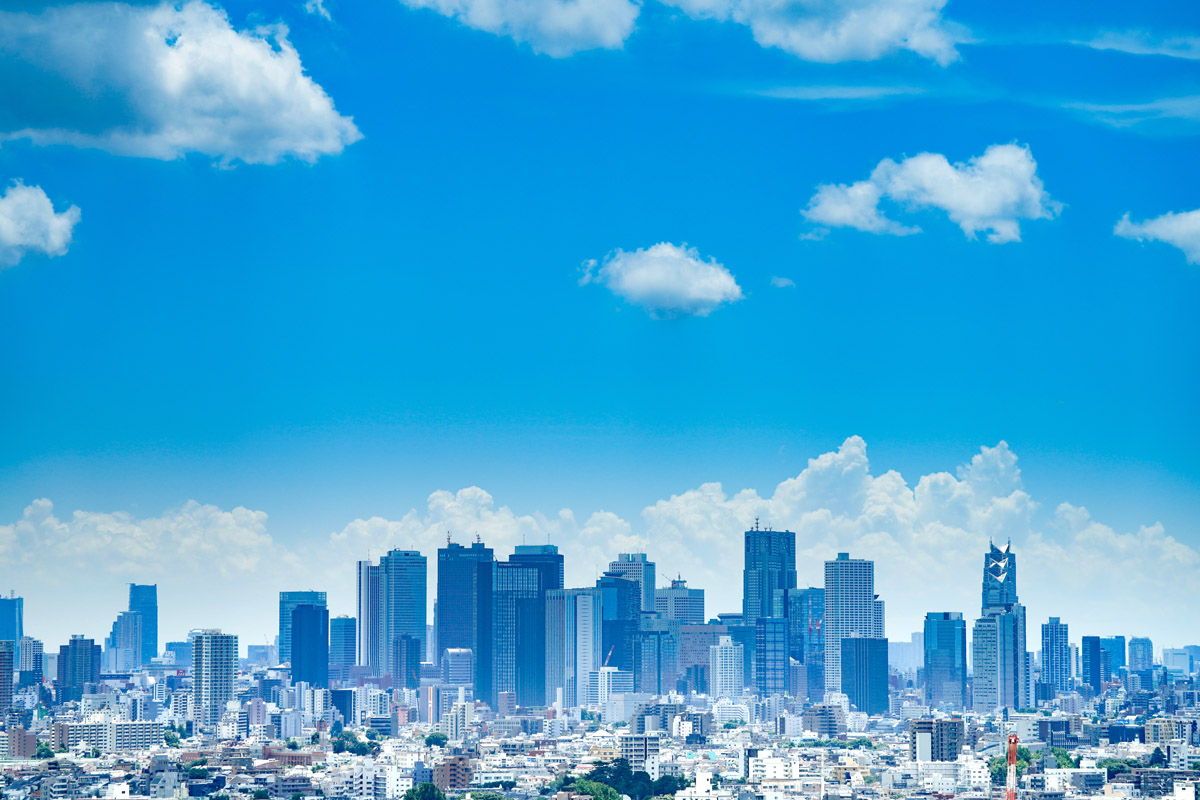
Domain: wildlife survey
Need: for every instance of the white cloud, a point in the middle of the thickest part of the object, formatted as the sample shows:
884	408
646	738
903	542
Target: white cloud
317	7
556	28
992	192
1143	43
844	93
840	30
1181	230
782	283
165	81
665	279
1124	115
927	539
28	223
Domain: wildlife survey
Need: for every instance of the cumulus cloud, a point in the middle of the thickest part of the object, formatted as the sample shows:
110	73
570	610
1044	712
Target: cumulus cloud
665	279
990	193
840	30
162	82
29	223
1144	43
556	28
927	539
1181	230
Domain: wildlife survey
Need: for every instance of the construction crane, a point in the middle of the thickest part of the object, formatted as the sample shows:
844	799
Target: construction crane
1011	782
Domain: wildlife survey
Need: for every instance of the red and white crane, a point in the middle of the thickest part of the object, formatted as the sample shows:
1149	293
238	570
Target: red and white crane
1011	782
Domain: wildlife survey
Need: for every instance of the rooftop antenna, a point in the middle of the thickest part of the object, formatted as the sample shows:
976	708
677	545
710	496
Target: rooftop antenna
477	539
756	523
447	538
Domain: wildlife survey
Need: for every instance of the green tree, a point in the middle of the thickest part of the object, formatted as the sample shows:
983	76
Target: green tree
339	745
436	739
315	738
43	751
261	794
171	738
197	773
424	791
372	734
1158	758
598	791
292	744
1064	758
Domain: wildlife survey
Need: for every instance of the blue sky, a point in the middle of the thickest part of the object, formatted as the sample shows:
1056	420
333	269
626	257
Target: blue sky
343	330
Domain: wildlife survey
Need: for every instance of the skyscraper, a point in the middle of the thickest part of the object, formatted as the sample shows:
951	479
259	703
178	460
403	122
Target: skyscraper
725	668
1114	648
123	647
680	603
573	639
804	610
771	661
465	581
770	565
8	657
1056	655
78	667
287	603
1141	654
639	569
143	600
945	659
310	645
31	661
520	632
403	583
369	611
620	602
342	644
12	619
851	608
1093	668
1000	662
864	672
214	675
530	619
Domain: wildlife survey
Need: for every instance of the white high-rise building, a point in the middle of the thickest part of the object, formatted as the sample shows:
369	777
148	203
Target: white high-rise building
640	569
725	667
214	675
850	608
573	643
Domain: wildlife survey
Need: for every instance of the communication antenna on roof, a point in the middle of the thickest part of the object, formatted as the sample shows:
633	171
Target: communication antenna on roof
756	523
447	538
477	539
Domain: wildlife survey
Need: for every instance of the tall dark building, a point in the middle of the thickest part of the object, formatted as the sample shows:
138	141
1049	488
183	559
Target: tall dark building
78	666
520	633
946	660
1093	667
403	577
1114	647
310	645
143	599
521	619
8	663
865	673
465	608
936	739
287	602
12	620
770	565
621	605
407	652
342	644
804	610
771	662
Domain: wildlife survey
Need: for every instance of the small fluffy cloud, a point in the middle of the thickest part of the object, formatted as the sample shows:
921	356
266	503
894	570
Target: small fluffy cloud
317	8
840	30
666	280
1181	230
162	82
29	223
556	28
782	283
990	193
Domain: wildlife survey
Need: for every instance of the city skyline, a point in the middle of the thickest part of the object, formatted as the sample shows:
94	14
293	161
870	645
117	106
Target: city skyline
992	468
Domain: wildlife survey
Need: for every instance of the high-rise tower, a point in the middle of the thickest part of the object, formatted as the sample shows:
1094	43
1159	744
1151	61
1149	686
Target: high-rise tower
639	569
143	599
1000	663
770	565
851	608
465	585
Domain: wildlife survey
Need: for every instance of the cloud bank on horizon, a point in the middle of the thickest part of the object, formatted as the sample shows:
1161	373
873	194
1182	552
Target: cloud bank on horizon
927	539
